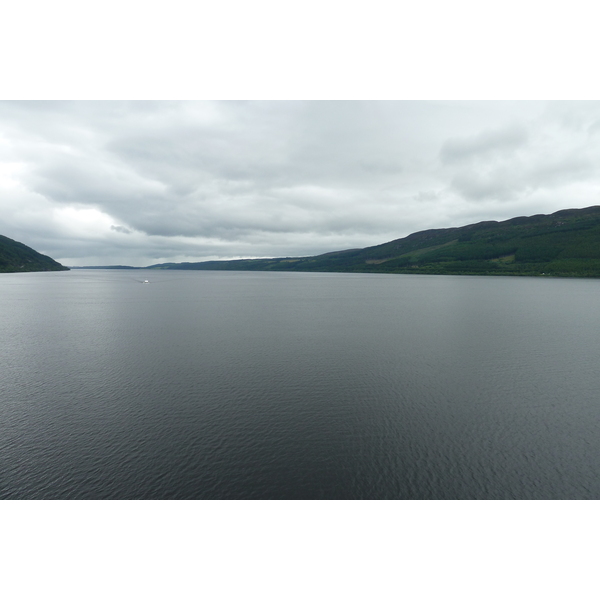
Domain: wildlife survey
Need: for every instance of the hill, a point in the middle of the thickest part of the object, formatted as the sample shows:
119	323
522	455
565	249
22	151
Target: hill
565	243
16	257
107	267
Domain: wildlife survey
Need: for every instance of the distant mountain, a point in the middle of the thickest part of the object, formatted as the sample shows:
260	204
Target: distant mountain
108	267
16	257
565	243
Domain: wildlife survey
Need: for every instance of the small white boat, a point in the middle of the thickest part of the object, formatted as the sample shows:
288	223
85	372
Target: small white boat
146	281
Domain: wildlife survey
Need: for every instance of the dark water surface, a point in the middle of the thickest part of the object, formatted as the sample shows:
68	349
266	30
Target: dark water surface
298	385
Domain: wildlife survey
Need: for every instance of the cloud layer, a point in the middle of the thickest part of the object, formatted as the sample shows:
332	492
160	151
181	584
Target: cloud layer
145	182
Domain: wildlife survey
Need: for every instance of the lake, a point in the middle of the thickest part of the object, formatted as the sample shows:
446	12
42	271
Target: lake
240	385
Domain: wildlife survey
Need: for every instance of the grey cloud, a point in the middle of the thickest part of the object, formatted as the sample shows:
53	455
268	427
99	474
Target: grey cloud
482	145
554	173
206	179
485	186
570	116
594	128
289	147
197	170
509	181
381	167
120	229
427	196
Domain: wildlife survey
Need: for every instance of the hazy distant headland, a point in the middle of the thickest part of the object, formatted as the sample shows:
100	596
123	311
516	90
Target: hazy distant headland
16	257
108	267
565	243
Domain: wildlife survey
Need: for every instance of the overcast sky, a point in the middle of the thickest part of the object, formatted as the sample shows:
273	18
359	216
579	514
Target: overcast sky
138	183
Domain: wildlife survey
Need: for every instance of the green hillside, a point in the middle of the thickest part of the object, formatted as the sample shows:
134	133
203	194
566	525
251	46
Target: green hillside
565	243
16	258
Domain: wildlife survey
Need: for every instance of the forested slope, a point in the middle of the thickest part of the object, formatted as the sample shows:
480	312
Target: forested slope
16	257
565	243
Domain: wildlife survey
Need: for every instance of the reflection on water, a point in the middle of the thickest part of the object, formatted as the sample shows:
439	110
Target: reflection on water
298	385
